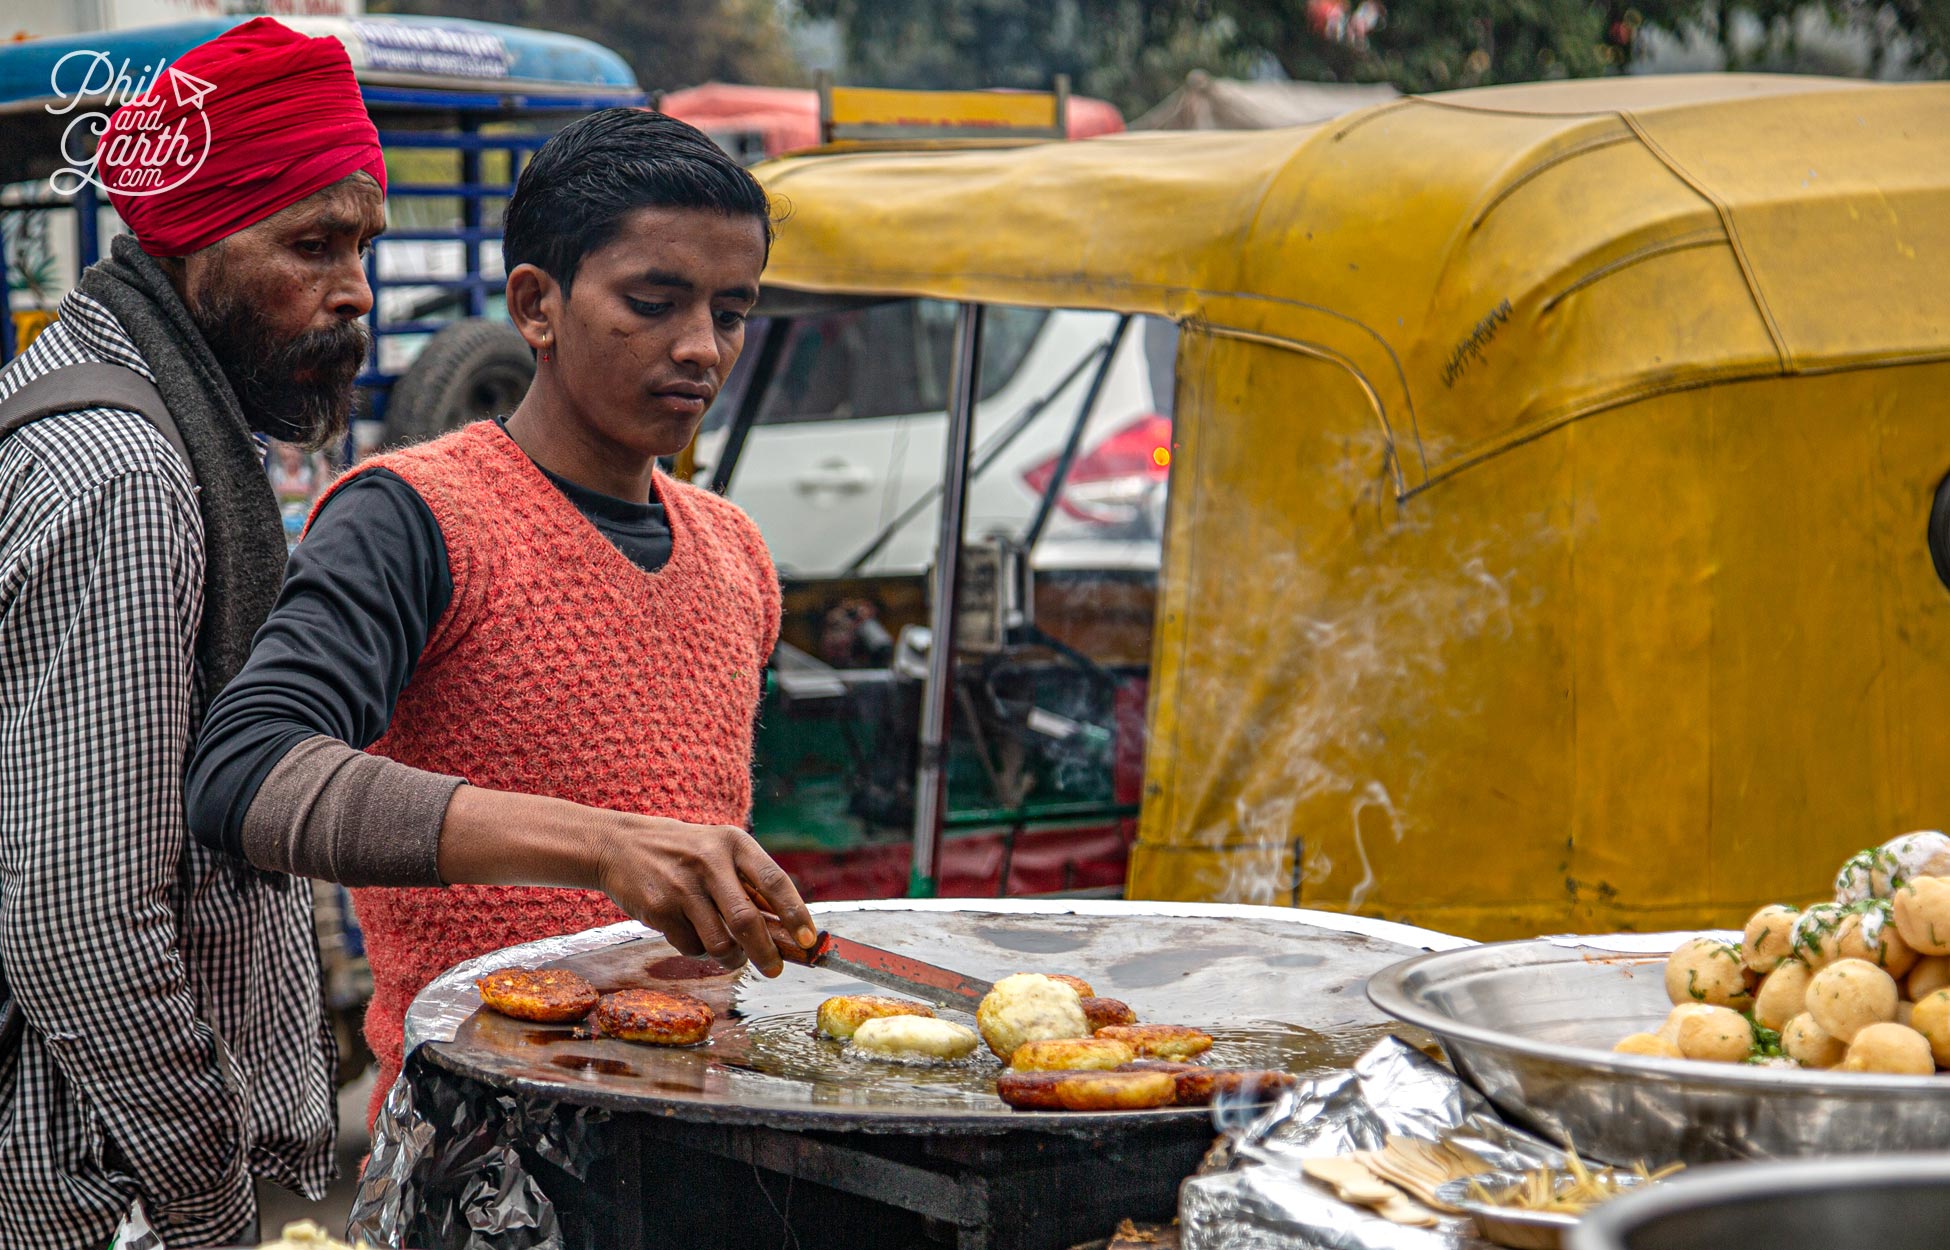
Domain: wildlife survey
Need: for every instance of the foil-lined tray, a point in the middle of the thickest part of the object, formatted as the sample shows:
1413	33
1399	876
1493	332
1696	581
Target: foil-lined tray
1263	1202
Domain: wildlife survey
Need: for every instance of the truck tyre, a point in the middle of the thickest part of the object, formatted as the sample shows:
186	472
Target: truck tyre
469	371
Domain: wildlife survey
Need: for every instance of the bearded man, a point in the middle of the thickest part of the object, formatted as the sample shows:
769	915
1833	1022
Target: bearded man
161	1038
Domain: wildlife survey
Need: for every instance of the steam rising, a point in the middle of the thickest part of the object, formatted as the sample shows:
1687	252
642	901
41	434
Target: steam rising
1312	724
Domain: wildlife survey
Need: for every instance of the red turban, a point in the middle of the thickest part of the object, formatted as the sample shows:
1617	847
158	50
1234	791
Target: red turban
239	128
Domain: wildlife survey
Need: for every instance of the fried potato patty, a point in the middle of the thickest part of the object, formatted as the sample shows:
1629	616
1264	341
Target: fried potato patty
1081	986
1101	1013
1160	1041
656	1017
1086	1091
543	995
1196	1085
1071	1054
1029	1007
840	1017
913	1039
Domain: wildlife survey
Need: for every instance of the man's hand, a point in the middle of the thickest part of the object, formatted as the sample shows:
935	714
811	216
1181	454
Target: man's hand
689	882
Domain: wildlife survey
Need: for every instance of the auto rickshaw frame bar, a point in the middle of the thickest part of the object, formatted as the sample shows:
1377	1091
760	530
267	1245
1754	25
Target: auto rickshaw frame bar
770	352
931	780
1067	459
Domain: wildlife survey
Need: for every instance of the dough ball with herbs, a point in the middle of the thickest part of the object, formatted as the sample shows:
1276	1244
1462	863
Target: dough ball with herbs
1925	853
1817	934
1707	970
1869	932
1880	871
1678	1016
1718	1035
1769	937
1809	1045
1922	908
1864	874
1889	1048
1931	1018
1849	995
1931	973
1783	995
1649	1044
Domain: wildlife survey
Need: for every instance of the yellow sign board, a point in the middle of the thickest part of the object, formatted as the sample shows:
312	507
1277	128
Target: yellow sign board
884	113
877	106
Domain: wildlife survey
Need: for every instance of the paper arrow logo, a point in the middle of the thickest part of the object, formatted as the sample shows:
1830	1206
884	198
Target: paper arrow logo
190	90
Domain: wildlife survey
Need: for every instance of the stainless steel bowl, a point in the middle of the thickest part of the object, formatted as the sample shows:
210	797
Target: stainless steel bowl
1880	1203
1531	1025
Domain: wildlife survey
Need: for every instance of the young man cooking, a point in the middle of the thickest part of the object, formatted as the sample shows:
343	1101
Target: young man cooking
161	1040
519	655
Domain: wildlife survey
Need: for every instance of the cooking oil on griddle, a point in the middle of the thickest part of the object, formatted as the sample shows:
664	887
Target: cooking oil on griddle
787	1047
1272	995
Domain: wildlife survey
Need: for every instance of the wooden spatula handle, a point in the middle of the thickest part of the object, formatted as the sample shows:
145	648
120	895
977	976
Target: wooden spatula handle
789	948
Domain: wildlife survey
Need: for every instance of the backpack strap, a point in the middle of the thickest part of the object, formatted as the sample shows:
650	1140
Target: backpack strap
76	388
93	384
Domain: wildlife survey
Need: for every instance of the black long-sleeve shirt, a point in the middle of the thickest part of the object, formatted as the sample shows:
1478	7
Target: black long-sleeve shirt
363	592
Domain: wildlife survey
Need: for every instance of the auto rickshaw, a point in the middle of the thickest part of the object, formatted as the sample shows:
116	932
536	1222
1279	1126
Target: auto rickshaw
1558	533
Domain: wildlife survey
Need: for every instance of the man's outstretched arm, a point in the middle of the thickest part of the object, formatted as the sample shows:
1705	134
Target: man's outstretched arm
279	776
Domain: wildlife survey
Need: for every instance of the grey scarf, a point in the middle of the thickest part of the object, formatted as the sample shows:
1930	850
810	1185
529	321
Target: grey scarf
243	535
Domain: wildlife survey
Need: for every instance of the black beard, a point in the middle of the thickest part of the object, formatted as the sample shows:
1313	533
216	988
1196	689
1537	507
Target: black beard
297	390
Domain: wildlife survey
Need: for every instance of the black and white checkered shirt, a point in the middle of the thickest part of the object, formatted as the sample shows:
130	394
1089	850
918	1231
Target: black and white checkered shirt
174	1045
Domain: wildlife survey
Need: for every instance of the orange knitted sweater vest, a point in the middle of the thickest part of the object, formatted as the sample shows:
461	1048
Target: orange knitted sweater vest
562	669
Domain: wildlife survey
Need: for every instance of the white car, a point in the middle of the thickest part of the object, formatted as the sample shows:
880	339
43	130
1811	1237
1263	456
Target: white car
843	466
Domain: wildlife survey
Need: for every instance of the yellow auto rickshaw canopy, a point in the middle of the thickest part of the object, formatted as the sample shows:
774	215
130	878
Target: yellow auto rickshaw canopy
1552	469
1491	263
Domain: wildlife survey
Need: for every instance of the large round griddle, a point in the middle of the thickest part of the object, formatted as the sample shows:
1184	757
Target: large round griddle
1275	990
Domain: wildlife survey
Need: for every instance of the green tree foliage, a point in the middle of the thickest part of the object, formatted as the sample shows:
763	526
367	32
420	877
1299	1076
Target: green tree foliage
1920	28
669	43
1133	51
1928	23
1434	45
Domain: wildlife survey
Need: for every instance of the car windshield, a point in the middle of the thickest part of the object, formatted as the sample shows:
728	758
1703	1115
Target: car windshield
842	468
884	360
